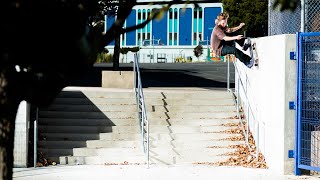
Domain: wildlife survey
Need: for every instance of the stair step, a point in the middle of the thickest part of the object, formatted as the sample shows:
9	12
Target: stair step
190	108
68	136
56	152
88	115
160	160
94	100
91	108
154	144
168	137
133	129
187	101
188	115
87	122
61	144
89	129
133	115
94	94
132	122
153	151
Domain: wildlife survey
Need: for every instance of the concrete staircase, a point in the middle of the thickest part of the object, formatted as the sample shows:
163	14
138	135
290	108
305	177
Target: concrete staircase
100	126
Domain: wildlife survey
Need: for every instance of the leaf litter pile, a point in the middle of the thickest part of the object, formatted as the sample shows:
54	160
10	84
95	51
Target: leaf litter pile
243	155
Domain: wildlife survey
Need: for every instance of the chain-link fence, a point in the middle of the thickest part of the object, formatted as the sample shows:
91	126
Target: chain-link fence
312	15
287	22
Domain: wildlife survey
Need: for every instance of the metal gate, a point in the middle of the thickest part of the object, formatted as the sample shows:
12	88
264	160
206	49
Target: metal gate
308	103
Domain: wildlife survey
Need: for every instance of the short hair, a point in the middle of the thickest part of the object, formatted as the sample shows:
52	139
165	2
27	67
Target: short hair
222	16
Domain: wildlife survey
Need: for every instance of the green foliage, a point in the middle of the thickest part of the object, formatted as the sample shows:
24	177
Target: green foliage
254	13
286	4
104	57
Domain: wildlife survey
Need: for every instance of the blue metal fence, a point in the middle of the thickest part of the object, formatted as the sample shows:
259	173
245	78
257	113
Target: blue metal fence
308	103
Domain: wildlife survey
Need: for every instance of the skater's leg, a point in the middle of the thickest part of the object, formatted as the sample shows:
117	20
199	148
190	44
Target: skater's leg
239	54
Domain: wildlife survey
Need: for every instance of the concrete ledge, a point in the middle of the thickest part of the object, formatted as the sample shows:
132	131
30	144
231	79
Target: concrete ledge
117	79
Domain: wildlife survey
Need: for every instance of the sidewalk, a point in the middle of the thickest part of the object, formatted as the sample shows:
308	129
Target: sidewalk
187	172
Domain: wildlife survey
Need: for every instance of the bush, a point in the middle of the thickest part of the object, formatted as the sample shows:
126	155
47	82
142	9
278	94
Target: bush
104	58
198	50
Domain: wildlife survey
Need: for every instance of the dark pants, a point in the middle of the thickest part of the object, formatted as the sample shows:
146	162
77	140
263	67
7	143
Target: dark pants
226	49
229	47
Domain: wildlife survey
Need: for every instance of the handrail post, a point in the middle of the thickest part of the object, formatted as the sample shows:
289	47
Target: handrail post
228	74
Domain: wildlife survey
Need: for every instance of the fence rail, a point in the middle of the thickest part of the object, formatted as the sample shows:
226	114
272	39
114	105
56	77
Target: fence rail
141	108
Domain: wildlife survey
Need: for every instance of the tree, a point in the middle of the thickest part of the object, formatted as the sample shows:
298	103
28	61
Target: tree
198	51
286	4
254	13
44	45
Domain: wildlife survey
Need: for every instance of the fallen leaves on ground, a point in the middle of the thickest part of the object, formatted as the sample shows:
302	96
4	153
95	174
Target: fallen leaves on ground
123	163
42	161
243	155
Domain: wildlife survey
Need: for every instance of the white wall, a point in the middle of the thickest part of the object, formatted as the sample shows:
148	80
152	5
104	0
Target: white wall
269	88
21	135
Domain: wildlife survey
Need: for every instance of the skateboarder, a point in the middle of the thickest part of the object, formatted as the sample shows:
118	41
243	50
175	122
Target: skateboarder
223	43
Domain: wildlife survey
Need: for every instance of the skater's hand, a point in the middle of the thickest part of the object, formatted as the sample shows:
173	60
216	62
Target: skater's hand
239	37
241	25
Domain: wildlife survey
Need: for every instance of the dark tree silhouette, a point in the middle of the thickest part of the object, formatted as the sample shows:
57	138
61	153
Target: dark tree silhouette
44	45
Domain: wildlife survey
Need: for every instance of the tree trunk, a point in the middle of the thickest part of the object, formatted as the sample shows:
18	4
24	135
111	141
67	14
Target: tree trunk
116	53
7	125
9	102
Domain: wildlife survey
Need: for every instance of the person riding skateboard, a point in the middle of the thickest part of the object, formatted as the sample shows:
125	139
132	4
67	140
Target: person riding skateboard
222	40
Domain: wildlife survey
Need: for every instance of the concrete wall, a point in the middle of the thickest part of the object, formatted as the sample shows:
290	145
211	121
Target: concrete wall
118	79
21	136
269	88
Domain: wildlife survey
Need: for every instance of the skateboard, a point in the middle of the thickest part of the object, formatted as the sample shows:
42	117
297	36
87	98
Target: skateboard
254	54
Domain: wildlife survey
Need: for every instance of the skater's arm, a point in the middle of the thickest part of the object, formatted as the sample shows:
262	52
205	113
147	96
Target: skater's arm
233	29
231	38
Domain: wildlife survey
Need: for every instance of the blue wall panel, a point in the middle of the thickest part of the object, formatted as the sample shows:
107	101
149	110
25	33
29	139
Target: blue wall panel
110	21
185	27
159	29
131	36
210	14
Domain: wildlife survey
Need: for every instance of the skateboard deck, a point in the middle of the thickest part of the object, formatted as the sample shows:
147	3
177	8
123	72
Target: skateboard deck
254	53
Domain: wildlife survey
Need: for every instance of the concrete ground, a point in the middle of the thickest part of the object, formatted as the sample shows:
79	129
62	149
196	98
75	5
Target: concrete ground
118	172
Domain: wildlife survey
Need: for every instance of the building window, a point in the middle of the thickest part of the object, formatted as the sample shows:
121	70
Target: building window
197	25
173	26
149	25
139	30
145	32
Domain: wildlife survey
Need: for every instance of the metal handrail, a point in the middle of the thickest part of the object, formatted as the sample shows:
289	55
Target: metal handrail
241	83
141	108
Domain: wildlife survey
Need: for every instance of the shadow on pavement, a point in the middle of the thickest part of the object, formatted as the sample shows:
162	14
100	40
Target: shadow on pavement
166	75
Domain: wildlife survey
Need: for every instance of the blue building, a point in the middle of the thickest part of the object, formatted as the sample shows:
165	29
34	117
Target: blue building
181	27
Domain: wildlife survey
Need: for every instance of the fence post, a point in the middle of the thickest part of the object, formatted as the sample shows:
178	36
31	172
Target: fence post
228	74
302	28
